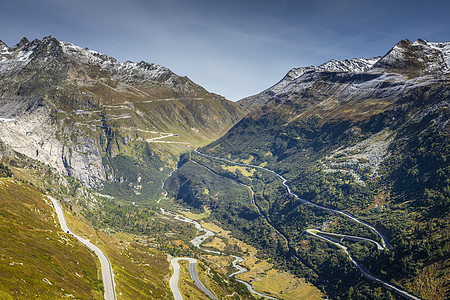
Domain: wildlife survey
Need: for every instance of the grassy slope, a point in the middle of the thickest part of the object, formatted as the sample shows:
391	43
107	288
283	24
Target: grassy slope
141	271
139	257
37	260
264	276
186	284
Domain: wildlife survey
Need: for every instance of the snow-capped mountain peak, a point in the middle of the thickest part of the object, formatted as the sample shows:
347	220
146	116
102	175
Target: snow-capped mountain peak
13	59
126	70
444	49
414	60
419	57
355	65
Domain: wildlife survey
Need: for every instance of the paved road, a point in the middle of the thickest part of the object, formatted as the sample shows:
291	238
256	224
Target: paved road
342	237
107	273
192	271
284	180
314	232
197	241
384	244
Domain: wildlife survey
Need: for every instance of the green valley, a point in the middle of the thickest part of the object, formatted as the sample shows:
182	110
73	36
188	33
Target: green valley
333	183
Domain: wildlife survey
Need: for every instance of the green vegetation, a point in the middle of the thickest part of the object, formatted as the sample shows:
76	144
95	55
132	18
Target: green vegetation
5	171
138	179
136	238
136	128
408	198
38	260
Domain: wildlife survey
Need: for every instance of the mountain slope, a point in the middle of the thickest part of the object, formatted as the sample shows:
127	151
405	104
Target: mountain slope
37	260
369	137
410	59
86	114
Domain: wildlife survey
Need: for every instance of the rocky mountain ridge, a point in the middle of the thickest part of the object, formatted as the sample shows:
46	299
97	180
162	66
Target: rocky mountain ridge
77	109
406	60
13	59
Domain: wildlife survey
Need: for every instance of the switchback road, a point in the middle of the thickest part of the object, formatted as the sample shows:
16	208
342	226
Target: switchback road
316	233
197	241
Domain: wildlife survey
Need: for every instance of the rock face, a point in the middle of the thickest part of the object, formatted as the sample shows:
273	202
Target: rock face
27	128
74	108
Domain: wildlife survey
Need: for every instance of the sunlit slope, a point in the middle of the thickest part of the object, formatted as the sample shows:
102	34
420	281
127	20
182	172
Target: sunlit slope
111	125
37	259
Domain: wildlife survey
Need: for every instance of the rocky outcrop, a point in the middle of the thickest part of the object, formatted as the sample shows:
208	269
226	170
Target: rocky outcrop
27	127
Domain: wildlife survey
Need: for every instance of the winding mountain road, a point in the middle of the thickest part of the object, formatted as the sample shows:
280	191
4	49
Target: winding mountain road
192	272
192	261
284	180
317	233
197	241
342	237
107	272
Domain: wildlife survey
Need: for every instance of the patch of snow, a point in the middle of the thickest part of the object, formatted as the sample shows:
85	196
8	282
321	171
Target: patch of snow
355	65
24	55
11	61
444	48
6	120
128	71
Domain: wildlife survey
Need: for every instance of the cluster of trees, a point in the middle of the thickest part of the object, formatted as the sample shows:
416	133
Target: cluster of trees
135	176
275	217
5	171
139	220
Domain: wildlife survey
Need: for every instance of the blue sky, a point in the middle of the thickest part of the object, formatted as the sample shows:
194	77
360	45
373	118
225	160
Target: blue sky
235	48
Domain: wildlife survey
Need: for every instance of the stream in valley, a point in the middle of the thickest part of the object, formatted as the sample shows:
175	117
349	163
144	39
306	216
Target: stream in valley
199	239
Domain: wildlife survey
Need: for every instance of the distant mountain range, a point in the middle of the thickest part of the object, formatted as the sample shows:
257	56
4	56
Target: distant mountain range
406	59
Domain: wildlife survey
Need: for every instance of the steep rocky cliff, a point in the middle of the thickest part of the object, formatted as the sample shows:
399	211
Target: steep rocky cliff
78	110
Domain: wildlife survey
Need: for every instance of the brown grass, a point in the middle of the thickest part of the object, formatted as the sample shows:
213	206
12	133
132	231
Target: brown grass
140	271
37	259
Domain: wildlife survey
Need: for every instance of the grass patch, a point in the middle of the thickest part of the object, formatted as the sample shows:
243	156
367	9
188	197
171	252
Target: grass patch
244	170
187	287
200	216
37	259
140	270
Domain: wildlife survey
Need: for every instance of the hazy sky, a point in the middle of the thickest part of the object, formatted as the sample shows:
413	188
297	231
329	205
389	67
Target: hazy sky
235	48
